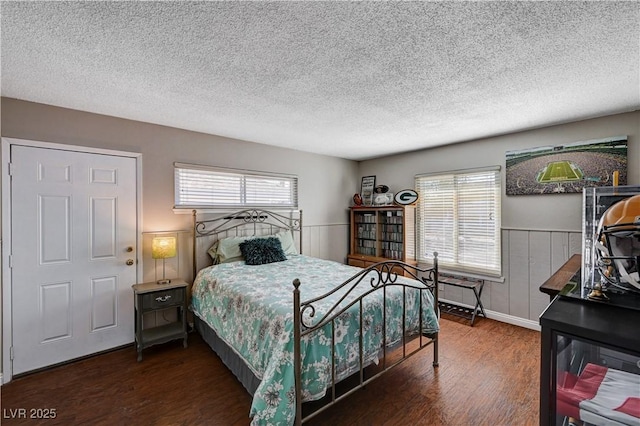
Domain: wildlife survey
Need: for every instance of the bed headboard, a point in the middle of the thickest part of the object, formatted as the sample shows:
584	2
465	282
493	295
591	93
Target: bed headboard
248	222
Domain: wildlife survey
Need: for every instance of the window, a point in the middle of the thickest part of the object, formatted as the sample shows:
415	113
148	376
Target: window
459	217
202	187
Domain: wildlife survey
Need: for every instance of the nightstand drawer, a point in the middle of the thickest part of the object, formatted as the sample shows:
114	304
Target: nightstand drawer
163	299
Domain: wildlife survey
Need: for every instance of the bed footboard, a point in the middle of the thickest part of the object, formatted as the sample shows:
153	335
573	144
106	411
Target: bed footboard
378	282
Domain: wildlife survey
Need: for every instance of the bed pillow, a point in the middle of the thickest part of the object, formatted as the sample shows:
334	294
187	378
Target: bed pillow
287	242
259	251
227	250
213	253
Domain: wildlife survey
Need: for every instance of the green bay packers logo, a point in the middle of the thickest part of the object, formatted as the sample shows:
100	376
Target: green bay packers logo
406	197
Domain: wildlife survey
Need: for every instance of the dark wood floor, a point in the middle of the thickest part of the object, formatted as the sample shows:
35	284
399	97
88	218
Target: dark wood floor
488	375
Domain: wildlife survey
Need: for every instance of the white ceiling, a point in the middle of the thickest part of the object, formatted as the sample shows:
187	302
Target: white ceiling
350	79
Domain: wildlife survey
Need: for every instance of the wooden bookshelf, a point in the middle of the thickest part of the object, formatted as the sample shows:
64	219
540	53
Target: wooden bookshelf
382	233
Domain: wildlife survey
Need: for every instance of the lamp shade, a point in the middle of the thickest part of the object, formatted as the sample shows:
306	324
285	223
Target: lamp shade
163	247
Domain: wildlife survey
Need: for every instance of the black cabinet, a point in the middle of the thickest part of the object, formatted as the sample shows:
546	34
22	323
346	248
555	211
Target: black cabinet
590	364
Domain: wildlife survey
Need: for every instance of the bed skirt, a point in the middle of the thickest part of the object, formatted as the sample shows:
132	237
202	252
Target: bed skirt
228	356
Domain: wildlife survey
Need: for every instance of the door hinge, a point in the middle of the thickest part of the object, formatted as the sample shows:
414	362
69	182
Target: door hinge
10	261
11	354
11	169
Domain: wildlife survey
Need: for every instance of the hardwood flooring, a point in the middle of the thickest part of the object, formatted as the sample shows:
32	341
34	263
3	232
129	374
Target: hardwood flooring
488	375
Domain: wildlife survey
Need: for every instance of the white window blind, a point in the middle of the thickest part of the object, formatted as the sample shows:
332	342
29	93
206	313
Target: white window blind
459	217
201	187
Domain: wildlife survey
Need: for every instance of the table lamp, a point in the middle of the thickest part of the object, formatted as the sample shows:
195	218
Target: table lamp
163	248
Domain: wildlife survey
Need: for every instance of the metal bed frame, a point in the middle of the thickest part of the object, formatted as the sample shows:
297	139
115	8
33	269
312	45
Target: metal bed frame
245	222
378	278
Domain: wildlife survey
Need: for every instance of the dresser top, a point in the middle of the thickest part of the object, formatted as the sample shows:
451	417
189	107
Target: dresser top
612	325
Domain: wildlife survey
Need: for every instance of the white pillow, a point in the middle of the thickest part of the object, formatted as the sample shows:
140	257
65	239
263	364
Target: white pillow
287	242
213	252
229	249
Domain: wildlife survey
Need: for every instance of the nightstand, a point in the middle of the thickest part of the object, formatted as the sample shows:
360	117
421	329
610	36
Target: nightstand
151	297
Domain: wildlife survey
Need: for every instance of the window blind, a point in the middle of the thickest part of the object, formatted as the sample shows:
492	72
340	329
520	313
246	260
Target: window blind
459	217
201	186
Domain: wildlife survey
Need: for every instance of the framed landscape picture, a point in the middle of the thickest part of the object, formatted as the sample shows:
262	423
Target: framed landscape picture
567	168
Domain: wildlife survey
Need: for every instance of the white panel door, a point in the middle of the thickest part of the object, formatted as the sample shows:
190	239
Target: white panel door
74	229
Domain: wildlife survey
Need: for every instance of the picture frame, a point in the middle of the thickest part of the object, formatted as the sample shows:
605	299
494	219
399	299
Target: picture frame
367	186
567	168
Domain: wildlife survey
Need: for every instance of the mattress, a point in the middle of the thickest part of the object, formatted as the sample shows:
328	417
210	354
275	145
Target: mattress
250	308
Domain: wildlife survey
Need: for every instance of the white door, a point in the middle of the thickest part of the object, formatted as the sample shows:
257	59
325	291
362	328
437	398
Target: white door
74	231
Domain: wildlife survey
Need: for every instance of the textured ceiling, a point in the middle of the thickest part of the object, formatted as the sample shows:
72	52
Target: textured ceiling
350	79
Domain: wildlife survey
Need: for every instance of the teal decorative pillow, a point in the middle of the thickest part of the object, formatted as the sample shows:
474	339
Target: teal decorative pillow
258	251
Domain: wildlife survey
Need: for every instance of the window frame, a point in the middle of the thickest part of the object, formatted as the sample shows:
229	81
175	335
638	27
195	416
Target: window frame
242	176
450	253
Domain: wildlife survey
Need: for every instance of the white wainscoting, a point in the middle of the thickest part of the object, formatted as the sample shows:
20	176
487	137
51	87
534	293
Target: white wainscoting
529	258
326	241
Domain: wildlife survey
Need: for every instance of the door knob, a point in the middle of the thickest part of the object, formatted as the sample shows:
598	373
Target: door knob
129	249
129	262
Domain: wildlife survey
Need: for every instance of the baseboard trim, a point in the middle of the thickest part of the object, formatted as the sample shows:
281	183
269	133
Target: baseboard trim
502	317
510	319
73	360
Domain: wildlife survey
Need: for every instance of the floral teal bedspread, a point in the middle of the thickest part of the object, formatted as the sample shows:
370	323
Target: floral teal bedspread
251	309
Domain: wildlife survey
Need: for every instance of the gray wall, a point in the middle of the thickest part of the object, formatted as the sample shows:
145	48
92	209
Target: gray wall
539	232
325	183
